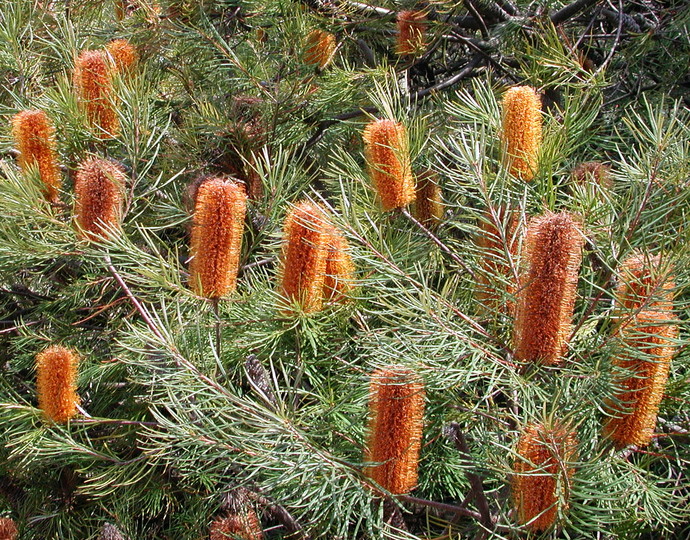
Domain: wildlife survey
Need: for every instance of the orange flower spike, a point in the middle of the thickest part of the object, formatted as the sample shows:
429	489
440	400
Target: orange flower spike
216	240
521	133
123	53
245	526
8	529
98	188
94	85
428	205
35	137
548	286
644	285
411	29
305	254
641	380
340	271
542	475
320	48
396	407
387	156
56	383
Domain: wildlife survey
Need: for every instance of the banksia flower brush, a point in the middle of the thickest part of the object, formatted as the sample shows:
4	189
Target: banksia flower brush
340	271
35	137
305	253
244	525
543	470
94	85
320	48
216	239
411	29
396	408
387	156
553	254
644	284
123	54
98	188
428	207
8	529
56	383
593	172
522	131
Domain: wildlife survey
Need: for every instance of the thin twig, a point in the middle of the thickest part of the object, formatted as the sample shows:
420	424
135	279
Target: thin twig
441	506
571	10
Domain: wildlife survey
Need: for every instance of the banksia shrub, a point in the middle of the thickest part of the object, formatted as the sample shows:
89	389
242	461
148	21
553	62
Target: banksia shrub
35	137
245	526
305	252
644	284
387	156
548	285
123	53
522	131
216	238
543	471
411	28
396	414
340	271
98	189
428	206
56	383
93	81
320	48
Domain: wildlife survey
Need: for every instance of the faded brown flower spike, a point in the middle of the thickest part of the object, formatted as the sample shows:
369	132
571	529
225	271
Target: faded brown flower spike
56	383
548	286
98	188
320	48
428	206
35	137
216	242
340	271
396	414
387	156
521	133
411	28
245	526
123	53
94	84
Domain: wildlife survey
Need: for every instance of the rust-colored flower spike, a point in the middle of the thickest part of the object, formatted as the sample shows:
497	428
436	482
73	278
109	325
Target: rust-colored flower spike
35	137
123	53
411	29
543	471
428	206
396	408
593	172
98	187
305	253
8	529
387	155
244	525
320	48
216	243
522	131
56	383
93	80
548	285
340	271
644	284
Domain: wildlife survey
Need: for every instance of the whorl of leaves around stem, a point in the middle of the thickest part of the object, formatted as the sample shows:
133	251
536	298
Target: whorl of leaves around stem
521	133
387	155
320	48
542	474
428	206
93	80
56	383
216	237
547	288
411	29
98	188
123	53
34	135
396	415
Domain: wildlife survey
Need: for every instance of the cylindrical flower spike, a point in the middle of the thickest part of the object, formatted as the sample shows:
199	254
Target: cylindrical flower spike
93	80
123	54
305	253
245	526
387	155
340	271
98	188
641	370
543	471
411	29
548	285
428	206
56	383
216	243
644	284
396	409
320	48
35	137
521	134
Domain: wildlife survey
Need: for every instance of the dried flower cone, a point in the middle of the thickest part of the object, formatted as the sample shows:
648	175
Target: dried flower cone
641	372
542	475
305	253
245	526
340	271
553	254
428	206
216	242
98	188
94	84
521	134
35	137
396	407
123	54
111	532
320	48
56	383
593	172
411	29
644	284
388	161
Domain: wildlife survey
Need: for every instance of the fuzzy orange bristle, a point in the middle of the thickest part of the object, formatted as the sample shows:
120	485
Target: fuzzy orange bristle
98	189
543	472
387	155
396	407
94	84
35	137
8	529
245	526
340	271
320	48
644	284
216	239
123	53
56	383
411	29
428	205
548	285
521	133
